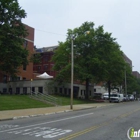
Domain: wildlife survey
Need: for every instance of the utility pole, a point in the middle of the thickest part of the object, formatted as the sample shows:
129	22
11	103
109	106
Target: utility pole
72	63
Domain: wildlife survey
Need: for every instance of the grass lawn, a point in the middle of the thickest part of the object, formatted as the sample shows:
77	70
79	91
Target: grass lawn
12	102
66	100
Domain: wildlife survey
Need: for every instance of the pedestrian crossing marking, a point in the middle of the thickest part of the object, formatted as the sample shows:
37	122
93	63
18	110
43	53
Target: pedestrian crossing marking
7	126
44	132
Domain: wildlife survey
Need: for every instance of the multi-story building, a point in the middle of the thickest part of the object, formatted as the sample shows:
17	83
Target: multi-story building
45	64
30	71
127	60
25	72
136	74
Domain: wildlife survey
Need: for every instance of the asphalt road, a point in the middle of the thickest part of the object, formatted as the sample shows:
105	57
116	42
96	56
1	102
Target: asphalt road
104	123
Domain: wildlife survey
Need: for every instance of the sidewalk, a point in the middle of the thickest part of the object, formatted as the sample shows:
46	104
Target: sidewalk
15	114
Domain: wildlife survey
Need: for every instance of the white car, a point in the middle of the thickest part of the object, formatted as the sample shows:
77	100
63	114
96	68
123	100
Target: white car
116	97
131	98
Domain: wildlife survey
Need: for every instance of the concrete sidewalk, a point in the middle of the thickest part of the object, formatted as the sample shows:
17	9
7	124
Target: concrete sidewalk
15	114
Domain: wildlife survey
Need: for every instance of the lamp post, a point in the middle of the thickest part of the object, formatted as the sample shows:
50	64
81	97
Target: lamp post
72	63
72	67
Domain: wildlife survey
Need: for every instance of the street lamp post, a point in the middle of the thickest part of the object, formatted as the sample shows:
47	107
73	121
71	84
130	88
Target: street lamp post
72	63
72	67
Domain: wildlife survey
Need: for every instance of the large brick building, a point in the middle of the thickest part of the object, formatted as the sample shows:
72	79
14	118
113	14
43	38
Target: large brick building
24	83
45	64
136	74
25	72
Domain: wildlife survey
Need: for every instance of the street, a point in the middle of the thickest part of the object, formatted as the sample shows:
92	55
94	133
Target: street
104	123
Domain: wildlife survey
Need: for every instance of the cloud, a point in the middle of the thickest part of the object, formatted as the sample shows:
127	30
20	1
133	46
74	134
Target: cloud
52	18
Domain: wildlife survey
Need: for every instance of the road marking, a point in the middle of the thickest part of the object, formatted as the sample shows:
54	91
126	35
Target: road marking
44	132
48	122
7	126
69	137
85	131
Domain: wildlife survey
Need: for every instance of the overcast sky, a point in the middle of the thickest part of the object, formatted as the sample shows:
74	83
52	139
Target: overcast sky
52	18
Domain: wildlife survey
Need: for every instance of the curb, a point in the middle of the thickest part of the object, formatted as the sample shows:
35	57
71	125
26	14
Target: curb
45	114
30	116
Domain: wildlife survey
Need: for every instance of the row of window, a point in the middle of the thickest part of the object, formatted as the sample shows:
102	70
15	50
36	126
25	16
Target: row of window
24	90
45	67
67	91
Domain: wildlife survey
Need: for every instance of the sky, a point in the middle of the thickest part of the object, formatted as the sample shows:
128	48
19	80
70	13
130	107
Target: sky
52	18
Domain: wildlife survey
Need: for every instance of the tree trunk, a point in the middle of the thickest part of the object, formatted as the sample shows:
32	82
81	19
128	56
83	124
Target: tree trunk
87	89
109	88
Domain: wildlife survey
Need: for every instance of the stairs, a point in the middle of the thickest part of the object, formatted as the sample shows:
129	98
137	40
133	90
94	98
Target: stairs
46	98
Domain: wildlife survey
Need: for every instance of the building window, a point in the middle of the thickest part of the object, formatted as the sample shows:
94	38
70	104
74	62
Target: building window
4	90
55	89
40	89
65	91
17	90
10	90
69	92
45	67
24	67
81	92
45	58
60	90
24	90
84	93
38	68
25	43
33	90
18	78
24	78
94	89
5	78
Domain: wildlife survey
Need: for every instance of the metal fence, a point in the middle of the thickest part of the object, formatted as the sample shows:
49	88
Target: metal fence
46	98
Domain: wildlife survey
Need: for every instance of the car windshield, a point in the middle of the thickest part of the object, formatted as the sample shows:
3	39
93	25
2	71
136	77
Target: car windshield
114	95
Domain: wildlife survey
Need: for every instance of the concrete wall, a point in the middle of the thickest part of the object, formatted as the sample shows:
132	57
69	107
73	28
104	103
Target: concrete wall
20	87
3	86
48	87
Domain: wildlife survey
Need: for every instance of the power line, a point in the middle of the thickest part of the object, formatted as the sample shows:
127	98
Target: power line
50	32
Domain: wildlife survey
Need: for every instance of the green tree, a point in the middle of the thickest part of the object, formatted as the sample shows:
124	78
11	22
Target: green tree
133	83
12	34
138	86
95	54
35	58
61	58
114	66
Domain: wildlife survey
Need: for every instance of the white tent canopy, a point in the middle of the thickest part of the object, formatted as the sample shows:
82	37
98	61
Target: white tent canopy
44	76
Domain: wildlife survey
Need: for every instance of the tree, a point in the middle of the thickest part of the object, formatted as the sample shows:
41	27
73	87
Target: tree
95	54
62	65
115	68
35	58
12	34
133	83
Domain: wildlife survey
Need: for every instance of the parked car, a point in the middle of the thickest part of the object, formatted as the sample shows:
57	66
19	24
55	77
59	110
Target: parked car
116	97
131	98
106	96
125	98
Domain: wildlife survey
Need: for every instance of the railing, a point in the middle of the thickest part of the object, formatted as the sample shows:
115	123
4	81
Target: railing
46	98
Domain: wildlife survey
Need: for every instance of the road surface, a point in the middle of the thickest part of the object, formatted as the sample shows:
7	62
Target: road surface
105	123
